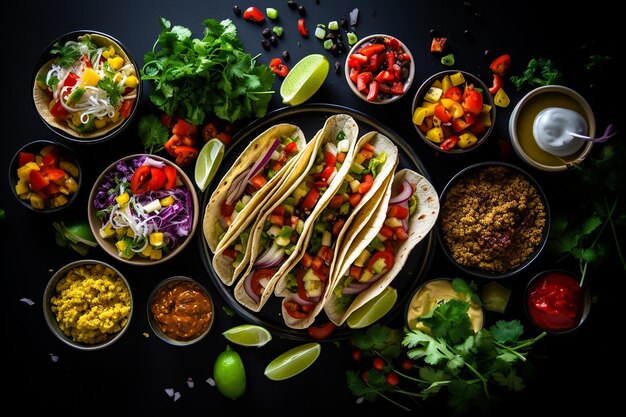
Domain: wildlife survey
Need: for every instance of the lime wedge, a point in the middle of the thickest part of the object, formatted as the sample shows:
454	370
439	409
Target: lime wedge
293	361
304	79
209	159
373	310
248	335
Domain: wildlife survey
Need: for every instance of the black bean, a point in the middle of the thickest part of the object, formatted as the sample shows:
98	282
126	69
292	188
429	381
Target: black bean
301	10
334	49
487	53
330	36
433	32
266	32
292	4
285	55
237	10
344	23
337	67
266	45
273	40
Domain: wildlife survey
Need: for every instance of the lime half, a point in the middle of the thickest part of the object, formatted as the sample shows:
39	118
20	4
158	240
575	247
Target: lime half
373	310
304	79
248	335
229	374
207	163
293	361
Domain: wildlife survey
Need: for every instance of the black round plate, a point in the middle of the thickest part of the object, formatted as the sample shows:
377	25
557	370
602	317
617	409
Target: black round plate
310	118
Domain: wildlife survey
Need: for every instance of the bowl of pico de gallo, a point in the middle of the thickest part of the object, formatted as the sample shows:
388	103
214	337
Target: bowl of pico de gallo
86	86
143	209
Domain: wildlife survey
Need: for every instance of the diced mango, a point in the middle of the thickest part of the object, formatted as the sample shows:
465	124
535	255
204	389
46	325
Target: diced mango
21	187
435	134
58	201
437	84
419	114
122	199
433	95
116	62
23	172
446	83
156	239
131	81
90	77
120	231
467	139
457	78
69	167
167	201
109	53
147	251
156	254
36	201
107	231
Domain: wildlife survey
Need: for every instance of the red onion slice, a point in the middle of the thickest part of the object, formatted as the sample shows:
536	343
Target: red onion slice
247	286
297	299
272	256
404	195
355	288
260	163
238	184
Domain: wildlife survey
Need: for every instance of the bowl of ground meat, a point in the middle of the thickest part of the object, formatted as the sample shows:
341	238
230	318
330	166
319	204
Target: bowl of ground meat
494	220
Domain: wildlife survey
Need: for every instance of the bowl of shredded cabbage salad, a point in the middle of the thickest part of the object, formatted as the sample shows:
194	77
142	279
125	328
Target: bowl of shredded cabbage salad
143	209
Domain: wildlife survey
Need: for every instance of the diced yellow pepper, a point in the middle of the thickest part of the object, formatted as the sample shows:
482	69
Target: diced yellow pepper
433	95
486	108
167	201
156	254
25	196
131	81
501	99
467	139
71	184
456	110
436	121
69	167
147	251
435	134
21	187
90	77
39	160
36	201
99	123
120	231
130	233
107	231
121	245
447	102
23	172
486	119
122	199
457	78
419	114
58	201
116	62
156	239
437	84
46	150
446	83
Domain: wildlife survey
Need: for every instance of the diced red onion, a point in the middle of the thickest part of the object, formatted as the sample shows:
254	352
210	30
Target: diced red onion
271	256
153	162
355	288
247	286
404	195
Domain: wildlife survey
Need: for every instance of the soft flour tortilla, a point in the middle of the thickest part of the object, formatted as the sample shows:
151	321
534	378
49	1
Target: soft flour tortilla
420	224
255	150
358	217
333	125
42	97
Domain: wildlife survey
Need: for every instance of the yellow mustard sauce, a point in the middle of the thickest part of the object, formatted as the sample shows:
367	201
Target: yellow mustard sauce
426	298
526	119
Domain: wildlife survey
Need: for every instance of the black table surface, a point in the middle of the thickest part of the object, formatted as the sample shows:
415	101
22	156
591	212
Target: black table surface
130	377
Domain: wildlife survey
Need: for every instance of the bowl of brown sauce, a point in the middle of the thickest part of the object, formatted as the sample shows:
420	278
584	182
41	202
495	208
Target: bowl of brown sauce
180	311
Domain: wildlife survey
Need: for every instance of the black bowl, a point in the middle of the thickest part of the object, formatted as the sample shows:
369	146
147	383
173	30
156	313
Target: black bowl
70	134
34	148
506	239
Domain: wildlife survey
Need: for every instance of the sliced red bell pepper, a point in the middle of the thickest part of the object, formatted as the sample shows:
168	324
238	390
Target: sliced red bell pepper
278	67
304	31
51	173
384	76
497	84
459	125
501	64
170	173
472	100
372	94
400	233
57	110
256	278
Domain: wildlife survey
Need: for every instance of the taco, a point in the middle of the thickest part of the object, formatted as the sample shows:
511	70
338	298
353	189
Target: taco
305	286
89	88
374	255
277	236
253	178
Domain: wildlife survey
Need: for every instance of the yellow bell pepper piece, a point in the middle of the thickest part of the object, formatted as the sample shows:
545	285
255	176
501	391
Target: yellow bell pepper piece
122	199
446	83
156	239
467	139
69	167
90	77
433	95
147	251
435	134
457	78
23	172
419	114
501	99
156	254
109	53
36	201
21	187
107	231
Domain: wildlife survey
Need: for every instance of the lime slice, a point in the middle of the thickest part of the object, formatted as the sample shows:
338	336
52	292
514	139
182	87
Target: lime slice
248	335
209	159
304	79
293	361
373	310
81	232
229	374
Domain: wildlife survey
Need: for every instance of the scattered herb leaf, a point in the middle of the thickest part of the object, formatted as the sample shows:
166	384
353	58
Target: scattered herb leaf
153	133
538	72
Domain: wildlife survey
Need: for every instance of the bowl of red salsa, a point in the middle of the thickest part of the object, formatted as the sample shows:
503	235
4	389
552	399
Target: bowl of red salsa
555	302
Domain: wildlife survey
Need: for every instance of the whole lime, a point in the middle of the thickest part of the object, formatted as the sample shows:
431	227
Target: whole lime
229	374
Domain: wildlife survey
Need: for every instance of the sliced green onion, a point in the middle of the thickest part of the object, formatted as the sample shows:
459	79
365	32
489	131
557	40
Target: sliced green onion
278	31
333	25
352	38
320	31
271	13
447	60
328	43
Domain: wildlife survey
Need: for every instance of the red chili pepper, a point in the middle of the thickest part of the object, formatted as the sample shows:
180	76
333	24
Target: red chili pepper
304	31
252	14
278	66
501	64
497	84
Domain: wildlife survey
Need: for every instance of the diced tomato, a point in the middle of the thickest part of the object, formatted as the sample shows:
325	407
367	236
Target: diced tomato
398	211
311	199
52	173
185	154
86	62
472	100
306	260
354	74
363	81
322	272
392	43
321	183
386	231
354	199
37	180
256	278
391	59
437	44
322	331
209	131
227	209
304	31
291	148
404	57
57	110
442	113
326	173
258	181
372	94
501	64
469	119
326	253
454	93
341	156
478	127
384	255
367	154
51	159
356	271
317	263
336	202
376	61
127	107
184	128
170	174
51	189
368	147
449	143
397	88
230	253
337	226
71	80
277	219
400	233
372	48
252	14
25	157
367	183
459	125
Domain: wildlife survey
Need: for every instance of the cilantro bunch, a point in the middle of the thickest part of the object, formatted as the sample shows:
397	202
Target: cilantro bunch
469	368
590	233
538	72
193	78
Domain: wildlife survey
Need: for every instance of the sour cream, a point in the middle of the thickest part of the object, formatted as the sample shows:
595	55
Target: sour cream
552	127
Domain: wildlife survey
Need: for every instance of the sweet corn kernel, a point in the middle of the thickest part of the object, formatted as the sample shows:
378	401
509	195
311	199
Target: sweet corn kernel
122	199
167	201
131	81
156	239
116	62
90	77
156	254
